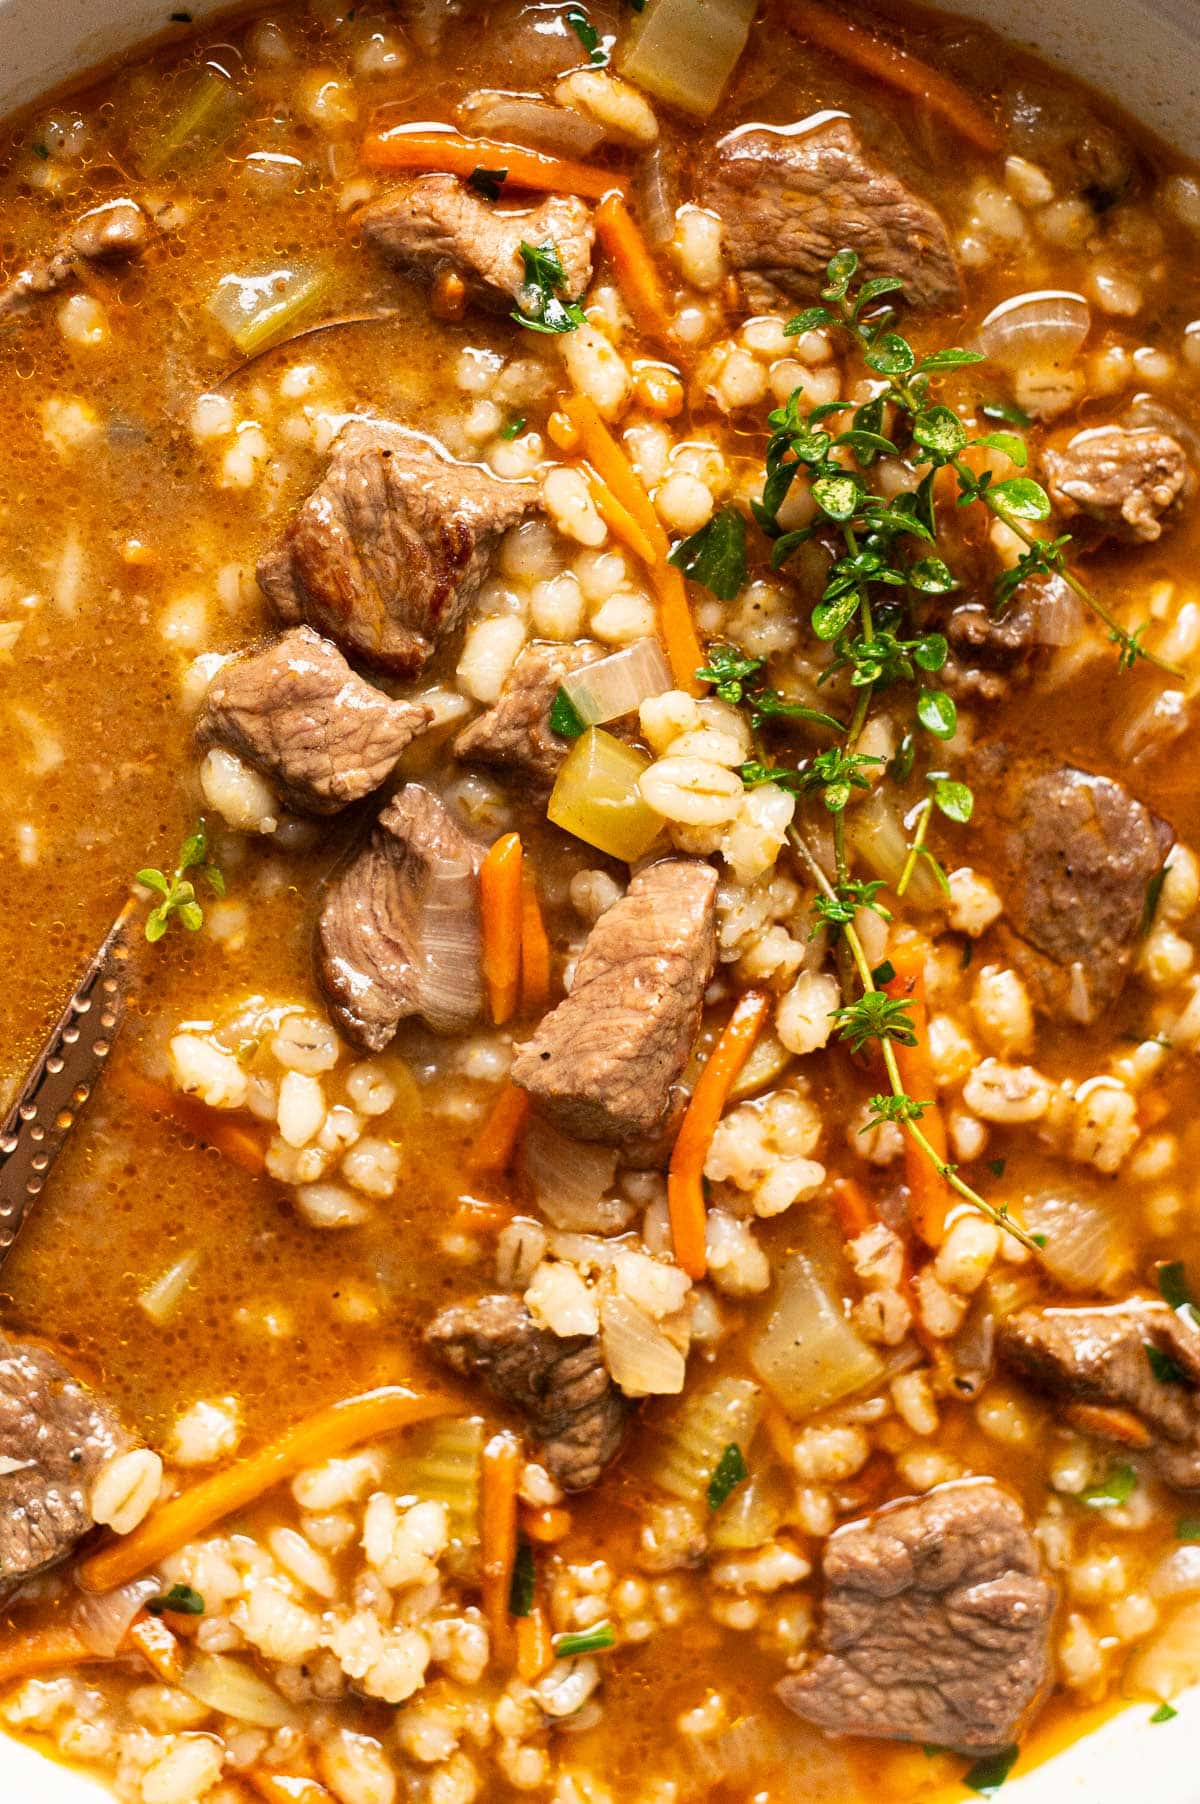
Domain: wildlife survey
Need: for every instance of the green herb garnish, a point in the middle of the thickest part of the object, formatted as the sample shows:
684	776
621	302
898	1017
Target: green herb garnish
1006	411
487	182
1176	1292
178	891
1165	1369
542	308
729	1473
41	150
1188	1528
513	429
1153	896
565	719
988	1775
523	1583
588	1641
1112	1491
1164	1714
180	1600
587	34
715	556
996	1167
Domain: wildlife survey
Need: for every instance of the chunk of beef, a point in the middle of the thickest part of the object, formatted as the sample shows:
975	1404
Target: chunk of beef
1103	1356
516	734
399	932
296	711
603	1065
937	1623
1127	480
990	653
1079	852
435	222
789	201
55	1436
106	234
560	1386
390	549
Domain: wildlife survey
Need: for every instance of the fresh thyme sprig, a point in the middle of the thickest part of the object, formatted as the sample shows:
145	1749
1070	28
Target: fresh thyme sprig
177	892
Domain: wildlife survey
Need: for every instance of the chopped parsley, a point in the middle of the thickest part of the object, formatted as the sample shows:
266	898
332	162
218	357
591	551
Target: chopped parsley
523	1583
1175	1291
1114	1490
542	307
729	1472
180	1600
40	150
1165	1713
715	556
588	1641
996	1167
1188	1528
1165	1369
1150	905
564	717
487	182
181	18
587	34
883	974
513	429
988	1775
1008	411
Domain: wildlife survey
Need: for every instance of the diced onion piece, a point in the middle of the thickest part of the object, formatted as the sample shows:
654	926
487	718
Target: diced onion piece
516	119
570	1178
1170	1662
162	1298
597	798
451	981
687	1448
232	1688
768	1061
255	309
1178	1573
618	685
442	1463
799	1763
684	51
751	1514
103	1622
876	832
807	1351
1035	330
643	1360
657	197
1087	1238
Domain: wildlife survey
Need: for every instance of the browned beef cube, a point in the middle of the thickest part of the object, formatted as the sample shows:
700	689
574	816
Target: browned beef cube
937	1624
105	234
790	201
390	549
399	931
297	712
1128	480
559	1386
435	222
604	1064
55	1437
1138	1356
515	735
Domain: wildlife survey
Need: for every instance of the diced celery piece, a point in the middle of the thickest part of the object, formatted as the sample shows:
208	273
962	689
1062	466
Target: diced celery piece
751	1514
686	1449
441	1463
597	797
684	51
256	309
207	112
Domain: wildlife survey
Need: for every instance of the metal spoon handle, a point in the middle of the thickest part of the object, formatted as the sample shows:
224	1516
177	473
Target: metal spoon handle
62	1079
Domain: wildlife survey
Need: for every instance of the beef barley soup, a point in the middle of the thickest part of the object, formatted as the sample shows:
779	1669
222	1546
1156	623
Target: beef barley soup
622	580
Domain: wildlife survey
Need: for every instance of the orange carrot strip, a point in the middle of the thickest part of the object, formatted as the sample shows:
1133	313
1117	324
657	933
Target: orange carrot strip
685	1179
493	1152
1109	1423
684	652
329	1431
535	1645
894	67
282	1788
159	1648
500	905
535	952
502	1460
637	274
41	1650
620	521
931	1197
546	1525
226	1135
475	1217
456	155
852	1208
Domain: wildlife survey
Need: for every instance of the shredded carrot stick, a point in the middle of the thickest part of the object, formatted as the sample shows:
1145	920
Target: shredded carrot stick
159	1648
329	1431
896	68
282	1788
1109	1423
637	274
684	652
931	1197
620	521
240	1144
535	1645
475	1217
501	906
852	1208
685	1179
456	155
492	1153
535	952
546	1525
502	1460
41	1650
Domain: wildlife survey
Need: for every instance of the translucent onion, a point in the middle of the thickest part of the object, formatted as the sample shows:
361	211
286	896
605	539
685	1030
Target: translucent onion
255	309
643	1361
684	51
450	987
682	1457
1035	330
876	832
517	119
618	685
751	1515
801	1764
162	1298
657	197
1170	1662
807	1352
104	1621
1178	1575
232	1688
1058	613
1087	1241
571	1181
